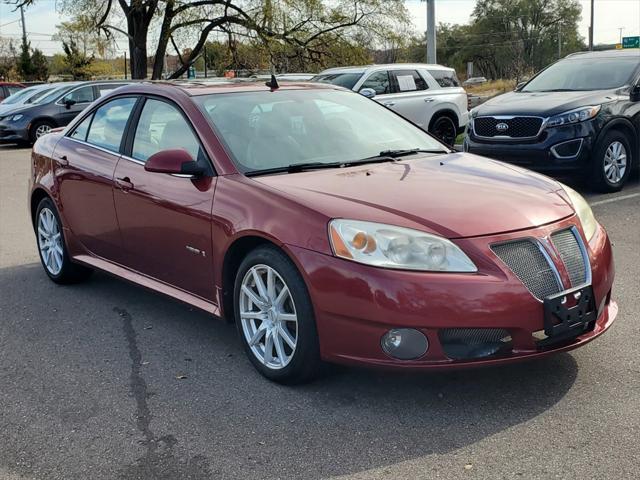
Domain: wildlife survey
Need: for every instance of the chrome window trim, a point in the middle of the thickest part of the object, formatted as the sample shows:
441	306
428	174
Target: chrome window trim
545	120
97	147
567	157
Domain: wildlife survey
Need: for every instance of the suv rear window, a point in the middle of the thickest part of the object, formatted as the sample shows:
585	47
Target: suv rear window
445	78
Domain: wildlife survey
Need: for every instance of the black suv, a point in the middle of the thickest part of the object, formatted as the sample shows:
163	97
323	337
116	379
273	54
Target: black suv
581	115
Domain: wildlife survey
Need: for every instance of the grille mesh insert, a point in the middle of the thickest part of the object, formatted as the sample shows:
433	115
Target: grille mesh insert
517	127
567	245
470	343
527	262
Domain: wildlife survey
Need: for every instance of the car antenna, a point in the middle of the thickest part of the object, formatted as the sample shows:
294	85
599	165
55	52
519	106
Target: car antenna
273	83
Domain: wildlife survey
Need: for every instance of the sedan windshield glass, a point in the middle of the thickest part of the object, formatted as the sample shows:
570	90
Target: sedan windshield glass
346	80
18	97
577	74
270	130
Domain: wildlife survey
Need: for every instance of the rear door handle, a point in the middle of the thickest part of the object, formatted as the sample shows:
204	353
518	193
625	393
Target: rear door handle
124	183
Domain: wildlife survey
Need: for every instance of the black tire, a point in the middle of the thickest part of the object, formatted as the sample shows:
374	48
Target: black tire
69	272
597	176
444	128
305	363
33	131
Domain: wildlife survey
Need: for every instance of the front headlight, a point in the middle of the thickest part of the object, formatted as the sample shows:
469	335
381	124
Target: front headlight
15	118
584	212
573	116
396	247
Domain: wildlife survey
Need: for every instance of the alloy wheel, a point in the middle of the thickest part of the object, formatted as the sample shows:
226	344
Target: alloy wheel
268	316
445	130
50	241
42	130
615	162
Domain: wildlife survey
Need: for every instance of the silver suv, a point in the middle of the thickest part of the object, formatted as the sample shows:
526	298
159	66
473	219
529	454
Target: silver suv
428	95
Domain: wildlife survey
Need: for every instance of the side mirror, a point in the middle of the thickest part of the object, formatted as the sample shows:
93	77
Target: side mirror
519	86
634	93
175	161
68	103
368	92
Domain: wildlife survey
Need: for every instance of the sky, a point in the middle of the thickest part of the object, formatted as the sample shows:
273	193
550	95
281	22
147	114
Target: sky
610	16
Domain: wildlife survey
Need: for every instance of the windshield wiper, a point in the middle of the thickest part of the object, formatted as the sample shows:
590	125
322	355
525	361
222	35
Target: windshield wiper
302	167
410	151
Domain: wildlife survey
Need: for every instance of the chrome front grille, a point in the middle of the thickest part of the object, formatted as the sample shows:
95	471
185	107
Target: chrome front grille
531	263
567	245
511	127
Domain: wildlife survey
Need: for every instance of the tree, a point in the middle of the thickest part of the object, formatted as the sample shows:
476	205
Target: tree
77	63
86	36
40	66
25	65
8	60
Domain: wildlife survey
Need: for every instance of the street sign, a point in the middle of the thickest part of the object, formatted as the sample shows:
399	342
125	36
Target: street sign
631	42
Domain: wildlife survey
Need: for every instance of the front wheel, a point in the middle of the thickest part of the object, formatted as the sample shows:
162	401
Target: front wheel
51	246
275	318
611	162
39	129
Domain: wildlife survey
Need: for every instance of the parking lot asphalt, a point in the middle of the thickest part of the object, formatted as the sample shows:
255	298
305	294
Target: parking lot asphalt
106	380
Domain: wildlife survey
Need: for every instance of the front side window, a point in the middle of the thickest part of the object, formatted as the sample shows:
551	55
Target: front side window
408	81
580	74
109	122
263	130
162	127
80	95
379	81
346	80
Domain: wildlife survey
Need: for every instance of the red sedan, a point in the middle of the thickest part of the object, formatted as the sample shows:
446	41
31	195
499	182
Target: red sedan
326	226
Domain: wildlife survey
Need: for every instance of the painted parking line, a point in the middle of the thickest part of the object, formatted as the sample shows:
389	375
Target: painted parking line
615	199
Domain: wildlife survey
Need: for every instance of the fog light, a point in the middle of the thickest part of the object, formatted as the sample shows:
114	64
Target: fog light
405	343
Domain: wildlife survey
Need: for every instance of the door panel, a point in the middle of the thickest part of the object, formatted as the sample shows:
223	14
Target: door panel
165	222
85	188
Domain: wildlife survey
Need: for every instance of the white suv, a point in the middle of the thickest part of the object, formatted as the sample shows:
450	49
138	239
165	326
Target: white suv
428	95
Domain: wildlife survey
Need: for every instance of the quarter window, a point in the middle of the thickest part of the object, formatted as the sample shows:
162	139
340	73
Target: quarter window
379	81
408	81
162	127
80	132
109	122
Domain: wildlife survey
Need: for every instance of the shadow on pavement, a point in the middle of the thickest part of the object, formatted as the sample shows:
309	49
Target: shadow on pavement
223	420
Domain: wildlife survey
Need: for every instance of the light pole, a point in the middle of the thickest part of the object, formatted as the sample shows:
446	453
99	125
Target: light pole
591	27
431	31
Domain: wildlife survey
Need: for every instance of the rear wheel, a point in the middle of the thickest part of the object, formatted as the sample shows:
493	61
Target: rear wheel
51	246
275	318
444	128
611	162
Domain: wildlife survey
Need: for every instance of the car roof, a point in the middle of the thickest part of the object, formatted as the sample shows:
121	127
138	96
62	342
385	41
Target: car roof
385	66
197	88
629	52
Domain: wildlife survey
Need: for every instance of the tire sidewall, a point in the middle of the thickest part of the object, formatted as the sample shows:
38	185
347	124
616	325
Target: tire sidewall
34	128
67	266
599	178
306	356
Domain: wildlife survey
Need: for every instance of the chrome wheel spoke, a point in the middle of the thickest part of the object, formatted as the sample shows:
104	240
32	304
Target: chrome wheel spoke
286	336
268	348
253	297
287	317
257	336
282	357
615	162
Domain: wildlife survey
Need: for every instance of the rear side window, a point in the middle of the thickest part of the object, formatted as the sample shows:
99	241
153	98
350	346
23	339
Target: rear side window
80	132
109	122
162	127
379	81
408	81
445	78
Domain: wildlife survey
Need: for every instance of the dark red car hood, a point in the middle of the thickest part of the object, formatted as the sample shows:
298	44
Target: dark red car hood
456	195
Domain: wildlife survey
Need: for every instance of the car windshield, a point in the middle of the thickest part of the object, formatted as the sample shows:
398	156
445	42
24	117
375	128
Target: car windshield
18	96
38	94
346	80
579	74
271	130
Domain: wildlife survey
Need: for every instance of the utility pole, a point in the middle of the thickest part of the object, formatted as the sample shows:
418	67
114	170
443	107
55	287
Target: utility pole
559	40
125	65
591	27
621	29
24	27
431	31
205	60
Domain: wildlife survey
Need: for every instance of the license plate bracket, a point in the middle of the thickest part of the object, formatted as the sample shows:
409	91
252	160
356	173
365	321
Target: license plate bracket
569	313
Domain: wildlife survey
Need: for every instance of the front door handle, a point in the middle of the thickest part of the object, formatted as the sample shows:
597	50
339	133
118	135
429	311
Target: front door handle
124	183
428	99
389	104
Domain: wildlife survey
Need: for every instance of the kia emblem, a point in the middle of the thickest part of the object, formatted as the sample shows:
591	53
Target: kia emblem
502	127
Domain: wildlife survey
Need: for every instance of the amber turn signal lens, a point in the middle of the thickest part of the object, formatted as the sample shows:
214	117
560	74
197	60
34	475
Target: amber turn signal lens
339	248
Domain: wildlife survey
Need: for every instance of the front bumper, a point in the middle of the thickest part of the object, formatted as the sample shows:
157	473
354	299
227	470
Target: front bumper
11	132
356	305
538	154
